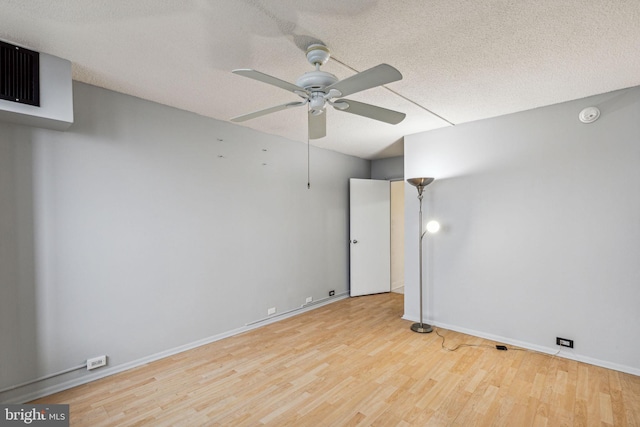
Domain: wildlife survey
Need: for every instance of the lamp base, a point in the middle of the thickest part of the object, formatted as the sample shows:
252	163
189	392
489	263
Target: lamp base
421	328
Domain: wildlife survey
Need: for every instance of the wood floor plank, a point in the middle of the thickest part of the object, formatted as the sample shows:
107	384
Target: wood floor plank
356	362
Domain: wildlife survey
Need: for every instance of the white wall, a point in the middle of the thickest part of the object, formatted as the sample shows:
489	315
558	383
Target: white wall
541	217
144	240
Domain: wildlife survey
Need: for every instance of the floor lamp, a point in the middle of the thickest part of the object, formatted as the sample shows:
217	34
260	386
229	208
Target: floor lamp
420	183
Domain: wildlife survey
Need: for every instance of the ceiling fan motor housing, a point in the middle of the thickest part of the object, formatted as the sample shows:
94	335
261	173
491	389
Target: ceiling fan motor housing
316	81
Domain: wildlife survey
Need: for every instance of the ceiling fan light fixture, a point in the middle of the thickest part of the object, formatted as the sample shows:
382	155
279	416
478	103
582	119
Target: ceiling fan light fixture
316	111
316	101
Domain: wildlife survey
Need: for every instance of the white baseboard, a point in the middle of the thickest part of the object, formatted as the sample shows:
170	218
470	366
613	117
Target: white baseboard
105	372
564	353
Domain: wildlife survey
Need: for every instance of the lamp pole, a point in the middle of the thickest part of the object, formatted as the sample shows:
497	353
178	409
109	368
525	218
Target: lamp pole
420	183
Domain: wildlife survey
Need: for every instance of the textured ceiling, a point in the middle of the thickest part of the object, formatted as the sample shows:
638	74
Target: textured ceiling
463	60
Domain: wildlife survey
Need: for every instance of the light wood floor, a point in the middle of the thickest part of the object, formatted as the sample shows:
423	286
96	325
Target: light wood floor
355	362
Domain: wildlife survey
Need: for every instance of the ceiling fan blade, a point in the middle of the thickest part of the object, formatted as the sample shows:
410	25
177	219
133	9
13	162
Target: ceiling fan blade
370	111
265	78
373	77
266	111
317	125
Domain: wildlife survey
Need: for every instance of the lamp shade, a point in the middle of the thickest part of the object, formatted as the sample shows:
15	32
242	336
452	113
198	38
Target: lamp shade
420	182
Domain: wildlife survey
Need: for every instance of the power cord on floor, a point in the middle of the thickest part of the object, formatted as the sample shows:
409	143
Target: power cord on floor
460	345
497	346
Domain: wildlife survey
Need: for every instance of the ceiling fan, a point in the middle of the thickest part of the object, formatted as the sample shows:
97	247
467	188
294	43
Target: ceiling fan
318	88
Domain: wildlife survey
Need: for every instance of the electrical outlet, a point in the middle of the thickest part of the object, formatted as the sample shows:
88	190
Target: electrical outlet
309	299
96	362
271	311
564	342
332	293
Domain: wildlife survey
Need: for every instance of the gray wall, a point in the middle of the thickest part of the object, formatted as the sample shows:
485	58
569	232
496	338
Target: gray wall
129	236
18	329
391	168
541	231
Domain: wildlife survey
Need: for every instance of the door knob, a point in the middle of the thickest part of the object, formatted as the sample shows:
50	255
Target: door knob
354	241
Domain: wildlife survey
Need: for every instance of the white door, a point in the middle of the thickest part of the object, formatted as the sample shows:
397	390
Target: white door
370	230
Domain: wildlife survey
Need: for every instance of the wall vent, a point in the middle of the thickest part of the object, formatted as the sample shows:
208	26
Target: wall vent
19	74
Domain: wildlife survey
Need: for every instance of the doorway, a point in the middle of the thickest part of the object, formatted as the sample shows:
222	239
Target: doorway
397	236
376	218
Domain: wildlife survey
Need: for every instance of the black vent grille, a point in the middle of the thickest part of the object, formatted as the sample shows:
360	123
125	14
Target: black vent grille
19	74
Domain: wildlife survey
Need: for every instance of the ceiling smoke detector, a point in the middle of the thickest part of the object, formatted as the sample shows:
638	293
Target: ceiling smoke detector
589	115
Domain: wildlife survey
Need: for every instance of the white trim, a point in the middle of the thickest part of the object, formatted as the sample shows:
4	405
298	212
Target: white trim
102	373
566	354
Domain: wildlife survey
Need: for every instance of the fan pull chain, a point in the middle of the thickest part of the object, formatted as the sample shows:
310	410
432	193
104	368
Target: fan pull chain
308	150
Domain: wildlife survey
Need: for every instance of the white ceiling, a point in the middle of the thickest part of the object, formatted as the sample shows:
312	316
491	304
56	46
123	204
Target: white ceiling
463	60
